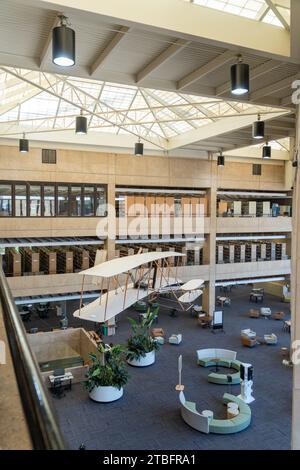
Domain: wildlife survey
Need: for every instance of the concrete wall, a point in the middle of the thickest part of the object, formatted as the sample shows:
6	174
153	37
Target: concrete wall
59	344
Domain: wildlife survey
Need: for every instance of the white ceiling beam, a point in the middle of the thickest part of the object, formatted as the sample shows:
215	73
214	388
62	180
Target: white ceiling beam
256	72
218	128
295	21
204	70
190	21
104	54
274	87
278	14
48	43
256	152
172	50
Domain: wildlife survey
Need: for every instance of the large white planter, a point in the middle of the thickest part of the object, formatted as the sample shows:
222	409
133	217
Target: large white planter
143	361
106	394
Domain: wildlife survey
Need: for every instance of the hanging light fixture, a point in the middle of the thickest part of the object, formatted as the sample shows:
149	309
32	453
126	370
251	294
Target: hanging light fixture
23	144
258	129
221	159
63	44
267	151
240	83
81	124
139	148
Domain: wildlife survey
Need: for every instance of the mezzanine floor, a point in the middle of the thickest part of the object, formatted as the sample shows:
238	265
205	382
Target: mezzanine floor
148	416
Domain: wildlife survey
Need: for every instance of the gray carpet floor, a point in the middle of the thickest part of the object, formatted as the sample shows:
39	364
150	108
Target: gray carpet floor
148	415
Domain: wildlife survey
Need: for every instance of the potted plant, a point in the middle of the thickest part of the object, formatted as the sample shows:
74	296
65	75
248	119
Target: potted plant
107	375
140	346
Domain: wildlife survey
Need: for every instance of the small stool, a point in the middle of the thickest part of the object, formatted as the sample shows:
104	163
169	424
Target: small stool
232	410
284	352
208	414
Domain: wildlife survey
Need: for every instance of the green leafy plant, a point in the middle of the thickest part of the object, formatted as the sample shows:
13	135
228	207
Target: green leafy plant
108	368
140	342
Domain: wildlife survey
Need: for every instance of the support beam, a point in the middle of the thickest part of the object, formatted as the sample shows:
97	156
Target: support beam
178	45
278	14
204	70
295	297
274	87
189	21
48	43
104	54
218	128
266	67
256	152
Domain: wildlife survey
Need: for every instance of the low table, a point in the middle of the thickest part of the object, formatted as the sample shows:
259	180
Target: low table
256	297
216	360
223	301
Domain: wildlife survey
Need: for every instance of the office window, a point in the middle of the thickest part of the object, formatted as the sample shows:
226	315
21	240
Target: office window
5	200
48	156
100	201
20	200
256	170
88	201
49	201
62	200
34	200
75	201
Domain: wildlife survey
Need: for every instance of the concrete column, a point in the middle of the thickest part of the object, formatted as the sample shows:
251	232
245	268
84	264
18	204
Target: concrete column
110	242
289	171
209	249
295	297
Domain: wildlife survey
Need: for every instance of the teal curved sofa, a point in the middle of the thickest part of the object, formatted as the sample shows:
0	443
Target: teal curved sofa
208	425
237	424
222	379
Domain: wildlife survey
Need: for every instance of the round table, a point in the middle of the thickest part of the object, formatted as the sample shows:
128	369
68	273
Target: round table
208	414
232	410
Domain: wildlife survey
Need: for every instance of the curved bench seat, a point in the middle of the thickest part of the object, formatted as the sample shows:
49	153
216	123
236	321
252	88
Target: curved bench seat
209	362
237	424
222	379
205	356
207	425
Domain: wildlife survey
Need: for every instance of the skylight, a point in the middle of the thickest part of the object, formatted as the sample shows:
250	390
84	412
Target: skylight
270	12
49	102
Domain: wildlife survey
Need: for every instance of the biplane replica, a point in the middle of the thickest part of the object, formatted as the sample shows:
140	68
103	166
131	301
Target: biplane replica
131	278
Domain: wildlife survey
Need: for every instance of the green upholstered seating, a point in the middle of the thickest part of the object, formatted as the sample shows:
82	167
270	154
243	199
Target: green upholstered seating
237	424
63	363
222	379
191	405
206	362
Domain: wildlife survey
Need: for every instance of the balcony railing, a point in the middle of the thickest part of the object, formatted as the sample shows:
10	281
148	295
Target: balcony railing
41	423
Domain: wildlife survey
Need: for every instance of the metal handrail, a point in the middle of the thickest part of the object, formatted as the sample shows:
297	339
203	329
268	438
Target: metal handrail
42	425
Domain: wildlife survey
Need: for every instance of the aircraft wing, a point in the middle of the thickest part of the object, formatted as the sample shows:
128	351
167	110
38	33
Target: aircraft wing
95	311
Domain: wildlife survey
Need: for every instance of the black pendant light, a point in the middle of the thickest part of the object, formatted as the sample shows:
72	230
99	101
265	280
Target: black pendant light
221	160
63	44
240	83
139	148
258	129
81	124
267	151
24	145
